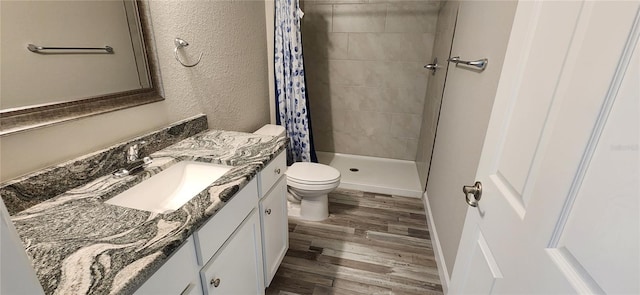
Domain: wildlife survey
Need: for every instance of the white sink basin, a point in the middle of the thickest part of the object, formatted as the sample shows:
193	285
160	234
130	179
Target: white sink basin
170	189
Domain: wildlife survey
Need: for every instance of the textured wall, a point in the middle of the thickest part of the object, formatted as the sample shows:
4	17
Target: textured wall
365	74
230	86
269	10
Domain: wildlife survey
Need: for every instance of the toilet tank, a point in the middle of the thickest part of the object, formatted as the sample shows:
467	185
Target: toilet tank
270	129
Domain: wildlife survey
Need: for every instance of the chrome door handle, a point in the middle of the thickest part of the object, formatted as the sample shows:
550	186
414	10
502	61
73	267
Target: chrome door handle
432	66
215	282
475	190
480	64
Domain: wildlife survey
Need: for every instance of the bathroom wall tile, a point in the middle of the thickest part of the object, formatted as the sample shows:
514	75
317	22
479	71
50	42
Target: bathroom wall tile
436	3
307	2
319	98
365	73
316	70
403	100
412	17
396	74
347	72
428	39
342	97
357	98
336	119
359	17
374	146
405	125
348	143
432	108
390	46
323	140
368	123
389	147
412	149
425	145
367	46
325	45
317	18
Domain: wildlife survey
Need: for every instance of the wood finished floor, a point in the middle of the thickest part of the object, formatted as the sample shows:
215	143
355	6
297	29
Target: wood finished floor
370	244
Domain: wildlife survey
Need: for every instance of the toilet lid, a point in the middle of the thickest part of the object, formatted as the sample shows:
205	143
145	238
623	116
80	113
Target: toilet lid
312	172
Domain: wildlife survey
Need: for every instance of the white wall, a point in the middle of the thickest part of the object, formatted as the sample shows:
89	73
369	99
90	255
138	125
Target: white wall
230	86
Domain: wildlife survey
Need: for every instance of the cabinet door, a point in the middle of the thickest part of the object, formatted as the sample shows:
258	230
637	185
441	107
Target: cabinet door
237	266
178	275
275	230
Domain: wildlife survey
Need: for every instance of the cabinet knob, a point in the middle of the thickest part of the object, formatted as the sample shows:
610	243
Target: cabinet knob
277	171
215	282
268	211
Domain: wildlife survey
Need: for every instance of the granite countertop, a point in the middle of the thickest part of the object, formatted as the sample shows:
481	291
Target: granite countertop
80	245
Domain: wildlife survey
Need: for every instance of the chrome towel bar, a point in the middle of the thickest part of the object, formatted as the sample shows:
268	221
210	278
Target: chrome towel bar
37	49
480	64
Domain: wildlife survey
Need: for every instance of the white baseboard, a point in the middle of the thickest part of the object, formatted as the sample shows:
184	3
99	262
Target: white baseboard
435	242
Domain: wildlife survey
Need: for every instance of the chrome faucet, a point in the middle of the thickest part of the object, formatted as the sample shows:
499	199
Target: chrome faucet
134	163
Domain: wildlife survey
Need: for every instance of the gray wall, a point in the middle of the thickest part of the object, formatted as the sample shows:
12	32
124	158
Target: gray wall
435	88
230	85
482	30
366	82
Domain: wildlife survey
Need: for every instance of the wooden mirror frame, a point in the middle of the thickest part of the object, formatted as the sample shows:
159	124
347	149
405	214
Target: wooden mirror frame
30	117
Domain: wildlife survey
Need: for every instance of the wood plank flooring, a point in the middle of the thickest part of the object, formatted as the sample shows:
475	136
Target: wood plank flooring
370	244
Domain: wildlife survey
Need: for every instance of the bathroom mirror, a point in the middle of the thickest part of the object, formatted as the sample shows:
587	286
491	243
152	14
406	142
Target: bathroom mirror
64	60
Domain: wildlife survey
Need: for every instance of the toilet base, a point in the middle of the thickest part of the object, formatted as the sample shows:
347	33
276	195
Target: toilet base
314	208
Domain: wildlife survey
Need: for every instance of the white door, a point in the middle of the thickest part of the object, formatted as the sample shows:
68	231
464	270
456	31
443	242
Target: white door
559	167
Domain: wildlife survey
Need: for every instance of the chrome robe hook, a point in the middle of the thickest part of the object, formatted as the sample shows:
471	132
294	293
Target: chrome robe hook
180	44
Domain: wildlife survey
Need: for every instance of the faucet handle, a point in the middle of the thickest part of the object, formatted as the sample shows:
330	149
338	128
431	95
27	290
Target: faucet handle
133	151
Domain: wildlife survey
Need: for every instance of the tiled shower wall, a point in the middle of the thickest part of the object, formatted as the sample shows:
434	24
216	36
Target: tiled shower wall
365	75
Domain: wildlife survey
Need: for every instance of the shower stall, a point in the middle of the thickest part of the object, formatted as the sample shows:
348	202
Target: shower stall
371	113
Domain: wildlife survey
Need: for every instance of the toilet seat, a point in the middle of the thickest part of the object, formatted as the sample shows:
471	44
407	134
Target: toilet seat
302	181
305	173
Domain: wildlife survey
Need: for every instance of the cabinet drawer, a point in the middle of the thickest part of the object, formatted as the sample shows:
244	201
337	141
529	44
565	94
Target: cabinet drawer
215	232
237	267
272	172
177	275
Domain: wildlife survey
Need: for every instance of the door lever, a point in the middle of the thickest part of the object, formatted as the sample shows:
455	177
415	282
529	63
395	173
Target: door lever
475	190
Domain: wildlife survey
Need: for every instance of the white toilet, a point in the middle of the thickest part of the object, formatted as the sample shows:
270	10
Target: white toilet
308	183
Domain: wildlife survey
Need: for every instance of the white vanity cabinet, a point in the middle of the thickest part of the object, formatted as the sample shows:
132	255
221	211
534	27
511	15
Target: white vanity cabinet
237	266
179	275
273	215
239	249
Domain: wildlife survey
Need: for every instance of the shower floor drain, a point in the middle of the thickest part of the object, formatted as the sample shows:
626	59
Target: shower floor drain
354	169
